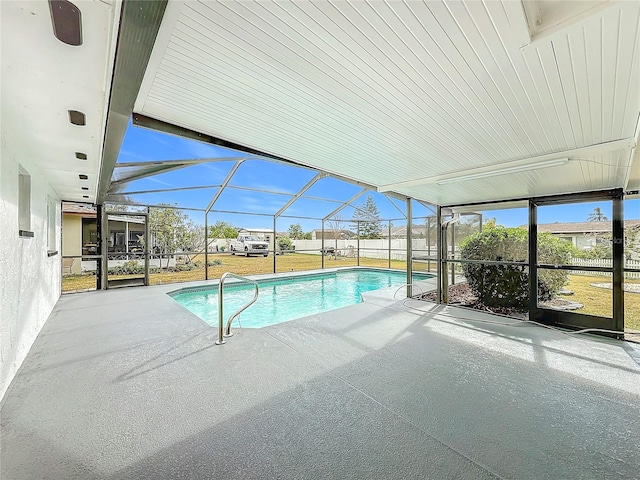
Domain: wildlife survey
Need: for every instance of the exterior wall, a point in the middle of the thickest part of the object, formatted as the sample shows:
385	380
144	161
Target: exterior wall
29	278
72	240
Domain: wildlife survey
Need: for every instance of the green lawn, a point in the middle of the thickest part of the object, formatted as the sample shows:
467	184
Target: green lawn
599	301
241	265
596	301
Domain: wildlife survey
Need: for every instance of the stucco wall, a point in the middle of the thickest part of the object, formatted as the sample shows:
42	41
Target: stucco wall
29	278
71	235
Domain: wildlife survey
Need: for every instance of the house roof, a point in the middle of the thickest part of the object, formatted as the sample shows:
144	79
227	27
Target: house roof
89	211
582	227
259	230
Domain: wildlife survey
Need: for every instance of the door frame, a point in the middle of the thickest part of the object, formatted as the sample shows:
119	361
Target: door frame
145	253
615	324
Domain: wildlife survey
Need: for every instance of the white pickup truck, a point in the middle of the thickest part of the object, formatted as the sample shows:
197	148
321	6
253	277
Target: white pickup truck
249	245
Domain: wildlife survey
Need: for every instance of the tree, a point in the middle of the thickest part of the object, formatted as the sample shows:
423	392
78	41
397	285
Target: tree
467	226
307	236
172	231
295	231
222	229
112	207
508	285
369	218
489	223
597	216
336	225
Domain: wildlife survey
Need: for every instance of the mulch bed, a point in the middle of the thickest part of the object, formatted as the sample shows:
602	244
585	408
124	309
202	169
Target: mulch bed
461	295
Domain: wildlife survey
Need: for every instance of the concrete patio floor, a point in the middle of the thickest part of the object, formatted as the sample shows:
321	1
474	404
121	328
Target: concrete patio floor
127	384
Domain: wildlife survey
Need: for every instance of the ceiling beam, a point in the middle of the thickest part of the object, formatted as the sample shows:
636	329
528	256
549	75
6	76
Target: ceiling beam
139	25
572	155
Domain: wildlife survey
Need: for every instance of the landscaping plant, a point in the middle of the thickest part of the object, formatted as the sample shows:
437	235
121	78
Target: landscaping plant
508	285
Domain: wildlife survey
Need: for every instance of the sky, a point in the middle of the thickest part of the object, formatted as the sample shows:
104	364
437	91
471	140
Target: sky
142	145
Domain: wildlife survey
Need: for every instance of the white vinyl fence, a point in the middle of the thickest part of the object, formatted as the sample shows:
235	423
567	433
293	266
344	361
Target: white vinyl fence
378	248
604	262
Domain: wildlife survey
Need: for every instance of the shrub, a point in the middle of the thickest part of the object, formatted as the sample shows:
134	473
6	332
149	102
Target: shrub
508	285
284	243
130	267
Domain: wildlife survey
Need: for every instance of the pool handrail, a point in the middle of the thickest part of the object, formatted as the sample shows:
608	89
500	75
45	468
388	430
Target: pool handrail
221	332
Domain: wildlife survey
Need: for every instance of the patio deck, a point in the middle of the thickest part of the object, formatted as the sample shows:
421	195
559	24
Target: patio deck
127	384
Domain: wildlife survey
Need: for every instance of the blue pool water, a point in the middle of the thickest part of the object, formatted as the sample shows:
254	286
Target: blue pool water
284	299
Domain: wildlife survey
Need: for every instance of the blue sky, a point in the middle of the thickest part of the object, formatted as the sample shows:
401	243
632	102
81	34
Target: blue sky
142	145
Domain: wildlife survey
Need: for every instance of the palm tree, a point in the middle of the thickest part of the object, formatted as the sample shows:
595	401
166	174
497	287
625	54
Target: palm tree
597	216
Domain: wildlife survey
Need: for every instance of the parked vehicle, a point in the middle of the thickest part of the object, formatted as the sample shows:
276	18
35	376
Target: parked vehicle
250	245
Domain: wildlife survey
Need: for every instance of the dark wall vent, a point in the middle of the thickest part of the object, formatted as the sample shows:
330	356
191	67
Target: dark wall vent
77	118
67	22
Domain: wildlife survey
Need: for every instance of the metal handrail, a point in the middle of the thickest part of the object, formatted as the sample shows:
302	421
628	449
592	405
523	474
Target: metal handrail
221	333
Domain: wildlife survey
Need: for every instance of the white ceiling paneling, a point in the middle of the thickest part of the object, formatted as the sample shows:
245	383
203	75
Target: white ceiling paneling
390	91
43	78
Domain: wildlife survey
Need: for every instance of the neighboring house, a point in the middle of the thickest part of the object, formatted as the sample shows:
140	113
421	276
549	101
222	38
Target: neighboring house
80	238
586	235
332	234
417	231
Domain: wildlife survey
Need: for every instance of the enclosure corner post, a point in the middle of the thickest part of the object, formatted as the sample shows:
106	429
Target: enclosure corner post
100	272
146	246
409	248
275	241
439	253
389	243
618	263
533	258
206	246
322	244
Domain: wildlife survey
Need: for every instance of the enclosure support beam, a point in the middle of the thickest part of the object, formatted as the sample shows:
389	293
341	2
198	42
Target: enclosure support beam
439	251
533	257
105	249
618	264
206	246
147	245
409	248
389	237
453	253
99	265
274	245
301	192
345	204
224	184
358	245
322	244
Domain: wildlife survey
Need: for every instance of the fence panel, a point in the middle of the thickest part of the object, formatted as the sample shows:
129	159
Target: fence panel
604	262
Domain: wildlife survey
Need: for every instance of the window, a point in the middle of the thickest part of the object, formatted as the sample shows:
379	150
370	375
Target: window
24	203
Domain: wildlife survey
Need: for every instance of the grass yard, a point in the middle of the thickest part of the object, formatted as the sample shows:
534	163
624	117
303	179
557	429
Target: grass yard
241	265
596	301
599	301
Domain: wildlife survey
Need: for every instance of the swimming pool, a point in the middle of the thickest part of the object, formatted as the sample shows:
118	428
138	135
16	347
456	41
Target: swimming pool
286	298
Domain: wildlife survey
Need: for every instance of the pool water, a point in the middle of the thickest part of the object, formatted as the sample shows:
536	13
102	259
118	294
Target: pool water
284	299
